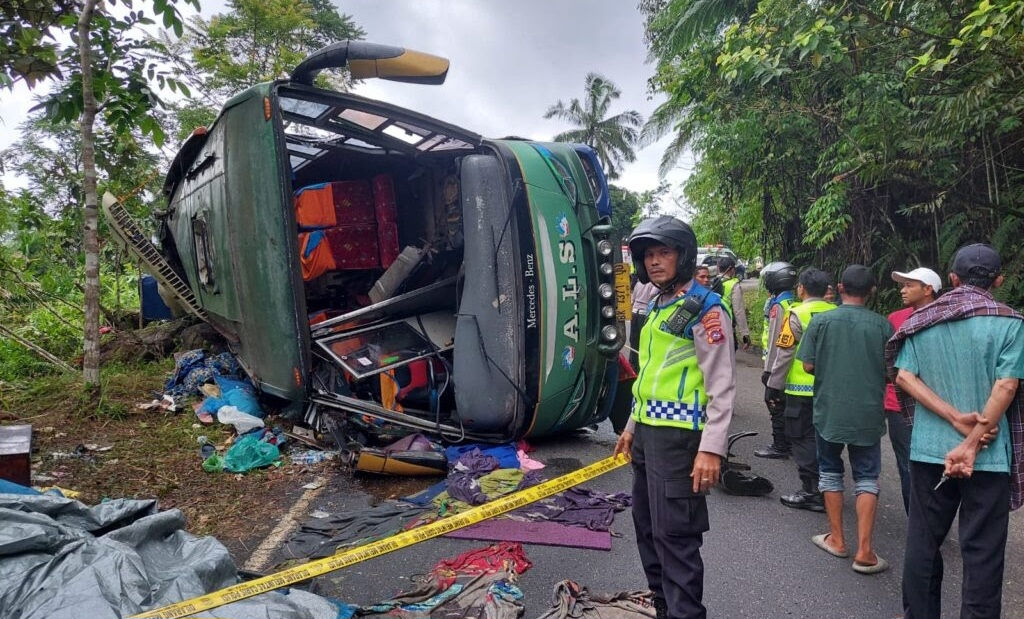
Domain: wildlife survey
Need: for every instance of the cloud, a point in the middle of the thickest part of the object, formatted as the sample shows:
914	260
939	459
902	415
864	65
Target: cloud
509	62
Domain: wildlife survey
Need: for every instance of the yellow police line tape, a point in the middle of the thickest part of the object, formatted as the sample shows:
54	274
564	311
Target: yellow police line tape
346	558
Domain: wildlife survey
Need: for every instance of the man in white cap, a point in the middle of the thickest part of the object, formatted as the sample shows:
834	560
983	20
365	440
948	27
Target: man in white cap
920	287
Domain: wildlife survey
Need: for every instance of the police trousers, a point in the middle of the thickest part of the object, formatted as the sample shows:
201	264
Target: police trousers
670	519
799	417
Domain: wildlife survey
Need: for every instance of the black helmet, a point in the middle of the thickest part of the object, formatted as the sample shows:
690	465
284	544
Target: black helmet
779	277
739	483
664	230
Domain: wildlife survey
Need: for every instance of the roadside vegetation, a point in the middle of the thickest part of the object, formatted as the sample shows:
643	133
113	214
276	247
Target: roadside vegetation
874	132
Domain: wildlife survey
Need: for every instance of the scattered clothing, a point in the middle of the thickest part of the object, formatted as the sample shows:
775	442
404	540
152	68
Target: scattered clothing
573	601
323	537
424	497
579	507
541	532
478	584
505	454
194	368
526	463
465	492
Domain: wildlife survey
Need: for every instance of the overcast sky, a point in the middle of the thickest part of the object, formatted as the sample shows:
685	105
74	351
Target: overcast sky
509	62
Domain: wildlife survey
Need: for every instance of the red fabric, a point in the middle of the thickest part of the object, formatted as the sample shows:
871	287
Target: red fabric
387	242
386	214
418	377
353	203
626	371
384	203
503	556
337	203
896	319
353	247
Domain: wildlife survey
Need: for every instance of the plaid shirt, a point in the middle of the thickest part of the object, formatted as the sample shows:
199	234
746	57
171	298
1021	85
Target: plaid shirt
958	304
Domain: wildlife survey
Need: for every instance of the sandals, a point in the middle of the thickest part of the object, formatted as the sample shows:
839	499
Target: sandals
819	541
880	566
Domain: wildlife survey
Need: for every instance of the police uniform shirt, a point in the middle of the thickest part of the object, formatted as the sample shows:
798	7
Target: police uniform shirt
775	317
739	311
785	355
642	296
716	357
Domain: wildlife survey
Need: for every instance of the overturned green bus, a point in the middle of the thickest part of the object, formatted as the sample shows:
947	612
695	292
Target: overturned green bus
372	264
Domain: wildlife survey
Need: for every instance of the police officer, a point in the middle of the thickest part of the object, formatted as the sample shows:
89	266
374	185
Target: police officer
788	375
779	278
678	430
732	296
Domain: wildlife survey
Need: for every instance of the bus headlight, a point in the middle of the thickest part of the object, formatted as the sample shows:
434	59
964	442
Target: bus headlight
610	332
606	291
605	247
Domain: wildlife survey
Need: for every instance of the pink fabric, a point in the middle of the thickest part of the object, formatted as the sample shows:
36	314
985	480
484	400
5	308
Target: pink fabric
896	319
526	463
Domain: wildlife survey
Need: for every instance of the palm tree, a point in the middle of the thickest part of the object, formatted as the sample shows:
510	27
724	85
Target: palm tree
613	138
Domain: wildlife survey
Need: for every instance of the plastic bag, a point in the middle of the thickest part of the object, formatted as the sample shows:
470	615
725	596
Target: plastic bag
243	422
214	464
250	453
233	393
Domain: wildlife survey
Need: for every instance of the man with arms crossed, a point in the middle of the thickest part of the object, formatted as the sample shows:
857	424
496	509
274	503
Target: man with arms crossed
961	359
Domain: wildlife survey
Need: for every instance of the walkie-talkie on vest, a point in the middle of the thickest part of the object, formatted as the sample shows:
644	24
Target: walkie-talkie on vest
682	316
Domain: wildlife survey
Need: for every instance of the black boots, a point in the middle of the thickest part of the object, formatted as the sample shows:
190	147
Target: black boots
772	452
807	498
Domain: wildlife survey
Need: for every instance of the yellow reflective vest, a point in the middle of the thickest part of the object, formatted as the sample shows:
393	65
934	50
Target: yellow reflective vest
786	300
669	389
727	287
799	382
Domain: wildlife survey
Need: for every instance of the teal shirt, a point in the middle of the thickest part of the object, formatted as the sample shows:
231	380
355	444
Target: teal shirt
847	348
960	361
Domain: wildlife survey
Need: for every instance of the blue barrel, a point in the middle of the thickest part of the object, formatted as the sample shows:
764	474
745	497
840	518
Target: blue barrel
153	307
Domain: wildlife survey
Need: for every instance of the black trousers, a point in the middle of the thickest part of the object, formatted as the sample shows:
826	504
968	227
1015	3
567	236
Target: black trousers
799	418
983	501
670	519
779	438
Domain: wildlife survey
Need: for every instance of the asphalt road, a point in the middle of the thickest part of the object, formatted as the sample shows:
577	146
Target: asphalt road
759	560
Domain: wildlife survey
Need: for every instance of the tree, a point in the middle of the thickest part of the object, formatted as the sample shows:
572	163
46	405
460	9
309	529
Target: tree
874	132
629	207
27	50
258	41
105	71
613	138
626	210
